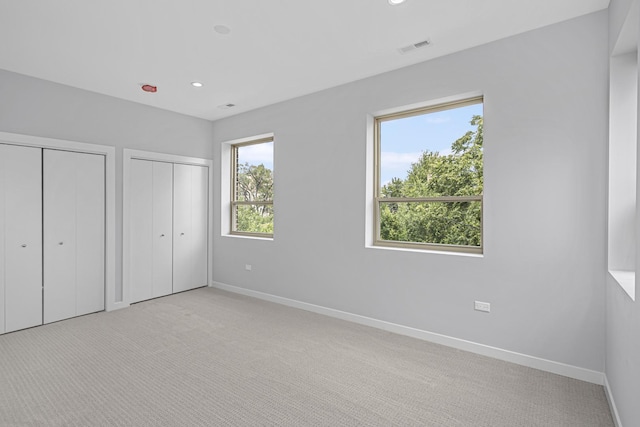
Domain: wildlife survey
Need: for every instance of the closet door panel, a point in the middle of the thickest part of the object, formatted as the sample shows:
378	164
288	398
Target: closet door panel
90	220
182	252
162	235
141	230
59	196
3	224
73	195
199	224
21	192
190	210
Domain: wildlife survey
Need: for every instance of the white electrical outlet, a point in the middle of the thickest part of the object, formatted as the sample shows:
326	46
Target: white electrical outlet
247	267
482	306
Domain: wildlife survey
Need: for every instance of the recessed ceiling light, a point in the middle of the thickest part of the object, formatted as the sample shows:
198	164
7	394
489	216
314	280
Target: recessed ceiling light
222	29
196	84
395	2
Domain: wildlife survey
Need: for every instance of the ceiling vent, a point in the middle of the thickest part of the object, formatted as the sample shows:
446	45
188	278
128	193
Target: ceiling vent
414	46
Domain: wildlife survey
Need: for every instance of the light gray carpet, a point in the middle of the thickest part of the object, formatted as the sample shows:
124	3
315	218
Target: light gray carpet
209	358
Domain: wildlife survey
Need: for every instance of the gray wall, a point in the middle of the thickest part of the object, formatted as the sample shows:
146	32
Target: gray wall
622	314
36	107
545	174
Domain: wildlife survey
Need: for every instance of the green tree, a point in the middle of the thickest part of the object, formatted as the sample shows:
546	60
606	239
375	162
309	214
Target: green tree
457	174
254	183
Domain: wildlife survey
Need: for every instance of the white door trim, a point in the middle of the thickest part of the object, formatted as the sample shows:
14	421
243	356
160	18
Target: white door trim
110	197
127	156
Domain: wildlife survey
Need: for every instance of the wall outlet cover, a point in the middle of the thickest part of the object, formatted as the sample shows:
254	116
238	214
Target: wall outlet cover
482	306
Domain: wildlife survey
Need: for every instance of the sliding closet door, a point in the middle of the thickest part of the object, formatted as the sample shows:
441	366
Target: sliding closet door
20	237
74	209
190	211
150	271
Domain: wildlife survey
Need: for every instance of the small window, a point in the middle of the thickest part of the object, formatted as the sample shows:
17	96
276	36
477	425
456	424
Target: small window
252	188
429	177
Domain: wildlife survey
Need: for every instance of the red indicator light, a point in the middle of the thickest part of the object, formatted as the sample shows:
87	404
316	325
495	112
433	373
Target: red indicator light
149	88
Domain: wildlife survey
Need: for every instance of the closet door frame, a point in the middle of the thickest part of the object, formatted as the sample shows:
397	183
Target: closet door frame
128	156
112	301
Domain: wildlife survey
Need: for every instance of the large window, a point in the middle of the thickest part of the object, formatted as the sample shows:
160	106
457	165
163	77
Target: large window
252	188
429	177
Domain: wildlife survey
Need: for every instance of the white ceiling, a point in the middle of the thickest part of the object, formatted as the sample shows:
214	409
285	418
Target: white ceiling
277	49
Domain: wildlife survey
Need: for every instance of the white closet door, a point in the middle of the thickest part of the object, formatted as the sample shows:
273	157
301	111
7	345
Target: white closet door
181	227
3	225
59	235
151	229
73	196
189	207
90	233
20	237
162	229
199	224
141	230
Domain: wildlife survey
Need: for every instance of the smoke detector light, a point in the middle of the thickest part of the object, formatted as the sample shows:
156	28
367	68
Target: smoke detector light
395	2
196	84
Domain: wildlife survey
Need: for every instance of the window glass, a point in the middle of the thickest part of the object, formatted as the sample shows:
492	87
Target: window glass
252	204
430	177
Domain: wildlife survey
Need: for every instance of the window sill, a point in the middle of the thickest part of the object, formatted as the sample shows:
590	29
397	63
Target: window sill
626	280
425	251
240	236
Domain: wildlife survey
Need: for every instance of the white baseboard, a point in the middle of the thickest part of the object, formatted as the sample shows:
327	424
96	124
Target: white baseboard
570	371
612	404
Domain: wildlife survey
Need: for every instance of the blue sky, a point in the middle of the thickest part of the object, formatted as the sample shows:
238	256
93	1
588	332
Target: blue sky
257	154
404	140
